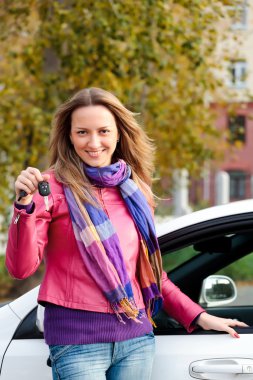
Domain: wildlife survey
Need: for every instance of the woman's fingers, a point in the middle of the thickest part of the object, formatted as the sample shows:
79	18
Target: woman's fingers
28	181
26	184
210	322
33	174
233	333
234	322
46	177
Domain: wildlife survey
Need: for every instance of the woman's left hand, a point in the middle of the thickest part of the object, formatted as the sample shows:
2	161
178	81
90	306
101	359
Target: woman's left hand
210	322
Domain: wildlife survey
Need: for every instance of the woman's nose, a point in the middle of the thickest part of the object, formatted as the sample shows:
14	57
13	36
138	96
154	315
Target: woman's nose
93	141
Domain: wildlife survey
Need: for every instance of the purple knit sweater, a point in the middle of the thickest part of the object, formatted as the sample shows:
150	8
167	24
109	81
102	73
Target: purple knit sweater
70	326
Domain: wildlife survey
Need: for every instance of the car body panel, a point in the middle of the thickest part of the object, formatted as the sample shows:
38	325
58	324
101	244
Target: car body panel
28	301
26	359
211	213
174	354
7	330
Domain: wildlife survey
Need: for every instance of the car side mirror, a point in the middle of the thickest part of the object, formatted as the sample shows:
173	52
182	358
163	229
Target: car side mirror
218	290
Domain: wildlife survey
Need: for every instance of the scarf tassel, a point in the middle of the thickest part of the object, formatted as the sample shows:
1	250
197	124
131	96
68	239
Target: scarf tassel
128	308
149	311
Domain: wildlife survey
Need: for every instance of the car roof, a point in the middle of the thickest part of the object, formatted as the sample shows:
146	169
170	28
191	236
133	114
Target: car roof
210	213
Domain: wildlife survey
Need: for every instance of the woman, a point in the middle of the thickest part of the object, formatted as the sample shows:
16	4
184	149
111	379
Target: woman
103	276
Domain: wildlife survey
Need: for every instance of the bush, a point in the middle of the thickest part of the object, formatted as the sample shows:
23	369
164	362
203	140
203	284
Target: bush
6	282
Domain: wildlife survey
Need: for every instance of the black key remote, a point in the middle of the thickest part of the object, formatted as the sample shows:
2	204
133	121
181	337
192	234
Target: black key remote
44	188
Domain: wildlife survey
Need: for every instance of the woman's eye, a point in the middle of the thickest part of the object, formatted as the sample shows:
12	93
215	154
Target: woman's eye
81	132
105	131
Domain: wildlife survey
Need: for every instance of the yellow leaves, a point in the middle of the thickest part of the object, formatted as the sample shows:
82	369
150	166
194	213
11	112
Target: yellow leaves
157	56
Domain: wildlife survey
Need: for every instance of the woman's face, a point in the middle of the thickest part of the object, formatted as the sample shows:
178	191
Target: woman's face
94	135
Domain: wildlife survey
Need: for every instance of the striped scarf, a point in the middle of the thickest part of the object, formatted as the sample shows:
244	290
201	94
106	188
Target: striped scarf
100	248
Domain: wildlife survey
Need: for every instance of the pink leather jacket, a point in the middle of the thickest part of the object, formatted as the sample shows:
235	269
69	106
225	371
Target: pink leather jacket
49	235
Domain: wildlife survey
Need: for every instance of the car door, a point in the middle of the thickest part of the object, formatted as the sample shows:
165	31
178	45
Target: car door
191	254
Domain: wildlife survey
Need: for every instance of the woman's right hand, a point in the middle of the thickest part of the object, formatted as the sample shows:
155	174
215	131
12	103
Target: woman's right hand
28	181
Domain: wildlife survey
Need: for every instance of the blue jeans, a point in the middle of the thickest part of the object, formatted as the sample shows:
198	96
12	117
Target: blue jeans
130	359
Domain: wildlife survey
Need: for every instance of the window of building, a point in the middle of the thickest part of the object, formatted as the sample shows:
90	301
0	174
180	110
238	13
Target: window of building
238	73
239	15
237	128
237	184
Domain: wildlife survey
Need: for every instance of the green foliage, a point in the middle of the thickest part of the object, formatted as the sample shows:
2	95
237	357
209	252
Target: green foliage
5	280
156	56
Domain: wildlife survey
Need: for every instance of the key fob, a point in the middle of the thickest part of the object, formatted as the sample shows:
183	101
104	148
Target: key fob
22	194
44	188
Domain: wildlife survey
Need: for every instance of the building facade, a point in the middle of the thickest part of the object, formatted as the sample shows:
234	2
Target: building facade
234	117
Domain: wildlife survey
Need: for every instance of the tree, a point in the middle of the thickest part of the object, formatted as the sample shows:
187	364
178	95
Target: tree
157	56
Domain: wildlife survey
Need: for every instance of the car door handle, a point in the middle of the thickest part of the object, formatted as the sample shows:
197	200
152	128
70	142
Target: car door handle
201	369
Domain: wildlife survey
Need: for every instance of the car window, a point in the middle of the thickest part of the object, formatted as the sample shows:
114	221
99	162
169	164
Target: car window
229	254
175	258
28	329
241	272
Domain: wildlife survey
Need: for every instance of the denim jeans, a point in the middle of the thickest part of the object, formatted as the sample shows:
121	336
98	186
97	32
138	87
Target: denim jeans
130	359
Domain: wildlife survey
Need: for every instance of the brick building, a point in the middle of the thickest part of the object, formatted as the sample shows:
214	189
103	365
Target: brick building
235	119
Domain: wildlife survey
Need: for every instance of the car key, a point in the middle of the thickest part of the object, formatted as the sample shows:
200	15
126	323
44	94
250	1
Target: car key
22	194
44	191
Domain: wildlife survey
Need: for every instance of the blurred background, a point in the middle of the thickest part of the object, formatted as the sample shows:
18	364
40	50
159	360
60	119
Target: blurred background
184	66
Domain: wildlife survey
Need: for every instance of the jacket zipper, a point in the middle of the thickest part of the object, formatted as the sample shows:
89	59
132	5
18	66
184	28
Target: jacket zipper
16	222
17	218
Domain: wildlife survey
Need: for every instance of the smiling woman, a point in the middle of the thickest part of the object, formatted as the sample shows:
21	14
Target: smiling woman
103	279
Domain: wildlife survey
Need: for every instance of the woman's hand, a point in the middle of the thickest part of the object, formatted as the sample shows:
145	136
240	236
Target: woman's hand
210	322
28	181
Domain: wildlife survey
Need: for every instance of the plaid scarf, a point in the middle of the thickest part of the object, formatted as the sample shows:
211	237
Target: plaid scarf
100	248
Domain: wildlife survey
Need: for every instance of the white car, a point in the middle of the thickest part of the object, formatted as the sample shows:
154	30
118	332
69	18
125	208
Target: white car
205	242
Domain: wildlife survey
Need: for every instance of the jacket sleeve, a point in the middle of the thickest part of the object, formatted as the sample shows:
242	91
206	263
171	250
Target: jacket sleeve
27	239
178	305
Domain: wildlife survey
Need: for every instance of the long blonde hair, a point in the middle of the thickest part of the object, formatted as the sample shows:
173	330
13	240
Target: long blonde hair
134	147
